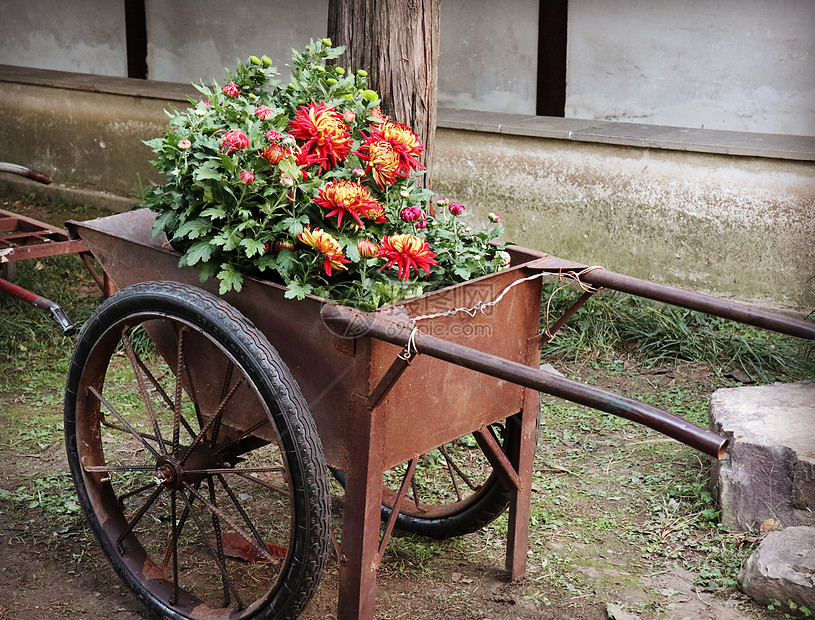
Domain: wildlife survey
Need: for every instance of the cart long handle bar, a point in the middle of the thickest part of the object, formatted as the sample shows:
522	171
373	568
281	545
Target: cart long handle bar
702	303
358	324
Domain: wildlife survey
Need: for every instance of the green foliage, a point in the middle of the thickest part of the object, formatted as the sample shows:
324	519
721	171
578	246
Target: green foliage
247	167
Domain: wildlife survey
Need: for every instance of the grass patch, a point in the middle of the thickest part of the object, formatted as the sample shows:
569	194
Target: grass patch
655	334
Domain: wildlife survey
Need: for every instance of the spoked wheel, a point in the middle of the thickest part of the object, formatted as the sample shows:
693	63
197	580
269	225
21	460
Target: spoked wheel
454	490
195	458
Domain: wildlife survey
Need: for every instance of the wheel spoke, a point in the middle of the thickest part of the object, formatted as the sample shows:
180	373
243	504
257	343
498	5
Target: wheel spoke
124	422
225	446
263	483
242	512
451	462
136	364
216	526
447	460
219	412
208	545
136	518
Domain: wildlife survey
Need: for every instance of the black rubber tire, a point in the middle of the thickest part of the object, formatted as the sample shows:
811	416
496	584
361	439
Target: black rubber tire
218	325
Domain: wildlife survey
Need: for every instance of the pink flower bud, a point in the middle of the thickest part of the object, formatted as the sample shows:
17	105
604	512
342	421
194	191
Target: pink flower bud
456	208
442	202
421	224
494	217
184	144
411	214
264	113
358	172
286	180
247	176
273	136
232	90
349	116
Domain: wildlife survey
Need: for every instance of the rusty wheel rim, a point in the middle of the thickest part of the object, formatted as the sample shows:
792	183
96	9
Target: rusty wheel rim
183	470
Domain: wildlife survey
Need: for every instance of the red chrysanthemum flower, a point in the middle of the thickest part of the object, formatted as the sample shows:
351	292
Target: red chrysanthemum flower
325	243
323	136
383	161
342	197
264	112
234	140
391	150
274	153
407	252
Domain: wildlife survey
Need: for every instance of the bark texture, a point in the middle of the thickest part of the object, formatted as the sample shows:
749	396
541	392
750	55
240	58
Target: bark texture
397	42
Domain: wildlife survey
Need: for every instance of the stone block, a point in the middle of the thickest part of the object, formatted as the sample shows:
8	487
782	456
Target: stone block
782	568
769	470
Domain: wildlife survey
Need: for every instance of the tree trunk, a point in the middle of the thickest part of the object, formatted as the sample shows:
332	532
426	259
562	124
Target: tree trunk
397	42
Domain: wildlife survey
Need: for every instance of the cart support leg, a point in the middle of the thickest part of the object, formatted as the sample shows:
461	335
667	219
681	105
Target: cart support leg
521	432
360	526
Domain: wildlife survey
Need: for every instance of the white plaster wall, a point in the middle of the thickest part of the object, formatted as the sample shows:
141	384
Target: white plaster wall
489	55
744	65
195	40
84	36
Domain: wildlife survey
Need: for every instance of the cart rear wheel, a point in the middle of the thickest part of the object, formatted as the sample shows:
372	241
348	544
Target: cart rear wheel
195	458
454	491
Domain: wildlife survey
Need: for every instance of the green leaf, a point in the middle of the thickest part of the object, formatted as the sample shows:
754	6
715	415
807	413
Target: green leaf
207	171
214	213
253	247
192	229
230	279
296	290
197	252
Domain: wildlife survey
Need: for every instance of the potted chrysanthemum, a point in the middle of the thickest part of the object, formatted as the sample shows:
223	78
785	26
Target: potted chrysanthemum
308	183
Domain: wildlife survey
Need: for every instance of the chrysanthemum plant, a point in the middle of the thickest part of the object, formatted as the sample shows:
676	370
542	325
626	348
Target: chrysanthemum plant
308	184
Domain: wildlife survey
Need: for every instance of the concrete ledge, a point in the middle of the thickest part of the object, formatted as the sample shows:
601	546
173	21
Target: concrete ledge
775	146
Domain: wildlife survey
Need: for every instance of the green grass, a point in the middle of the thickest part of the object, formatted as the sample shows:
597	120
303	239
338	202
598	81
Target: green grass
655	334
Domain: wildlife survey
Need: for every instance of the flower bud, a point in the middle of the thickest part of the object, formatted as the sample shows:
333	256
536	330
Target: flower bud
283	245
247	176
367	249
404	192
184	144
370	95
264	112
267	62
200	112
362	73
411	214
286	181
442	202
349	116
326	41
255	60
421	224
339	70
331	81
232	90
456	208
358	172
494	217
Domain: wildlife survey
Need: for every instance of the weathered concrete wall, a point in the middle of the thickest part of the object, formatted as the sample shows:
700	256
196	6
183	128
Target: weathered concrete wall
733	225
489	55
739	226
742	65
85	36
86	139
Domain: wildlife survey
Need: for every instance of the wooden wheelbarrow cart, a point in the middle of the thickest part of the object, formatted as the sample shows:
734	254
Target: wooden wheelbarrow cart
200	429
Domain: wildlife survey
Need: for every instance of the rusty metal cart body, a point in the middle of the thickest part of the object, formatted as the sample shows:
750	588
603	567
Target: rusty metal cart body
382	388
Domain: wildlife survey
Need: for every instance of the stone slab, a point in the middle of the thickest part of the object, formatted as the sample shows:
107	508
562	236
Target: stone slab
782	568
769	471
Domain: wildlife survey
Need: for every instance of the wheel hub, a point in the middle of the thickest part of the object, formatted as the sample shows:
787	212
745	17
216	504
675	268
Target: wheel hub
173	470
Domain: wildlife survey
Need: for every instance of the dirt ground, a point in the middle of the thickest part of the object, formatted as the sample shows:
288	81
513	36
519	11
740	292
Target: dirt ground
50	569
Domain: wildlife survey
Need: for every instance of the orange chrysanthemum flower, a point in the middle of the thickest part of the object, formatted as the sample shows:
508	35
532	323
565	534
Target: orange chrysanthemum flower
391	150
407	252
367	248
323	136
349	197
274	153
383	161
325	243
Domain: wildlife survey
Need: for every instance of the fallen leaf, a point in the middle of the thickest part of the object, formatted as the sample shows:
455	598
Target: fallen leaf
236	546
